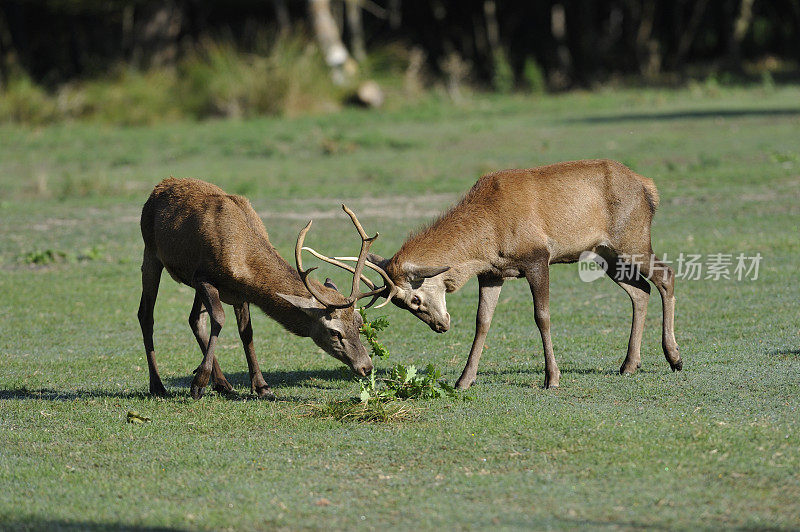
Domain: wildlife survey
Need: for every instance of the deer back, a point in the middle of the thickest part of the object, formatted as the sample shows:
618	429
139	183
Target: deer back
563	208
195	227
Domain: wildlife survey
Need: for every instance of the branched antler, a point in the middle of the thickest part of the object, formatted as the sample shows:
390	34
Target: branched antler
357	271
388	283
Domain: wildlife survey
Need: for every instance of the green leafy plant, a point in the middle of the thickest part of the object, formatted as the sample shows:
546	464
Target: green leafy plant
47	256
402	382
55	256
370	331
406	382
388	398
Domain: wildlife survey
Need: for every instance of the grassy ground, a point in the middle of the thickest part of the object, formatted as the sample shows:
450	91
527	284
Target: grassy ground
713	446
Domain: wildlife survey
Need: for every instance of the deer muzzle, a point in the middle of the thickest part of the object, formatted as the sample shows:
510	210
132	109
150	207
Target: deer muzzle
362	370
441	326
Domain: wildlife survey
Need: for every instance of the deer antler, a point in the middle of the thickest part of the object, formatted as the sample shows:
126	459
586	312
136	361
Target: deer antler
388	283
386	279
361	261
336	261
342	265
298	258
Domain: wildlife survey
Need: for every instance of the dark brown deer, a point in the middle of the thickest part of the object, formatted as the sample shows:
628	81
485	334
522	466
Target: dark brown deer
515	223
217	244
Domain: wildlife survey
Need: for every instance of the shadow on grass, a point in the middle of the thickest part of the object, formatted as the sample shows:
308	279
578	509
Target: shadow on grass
55	524
317	378
785	353
593	524
533	377
320	379
684	115
47	394
564	371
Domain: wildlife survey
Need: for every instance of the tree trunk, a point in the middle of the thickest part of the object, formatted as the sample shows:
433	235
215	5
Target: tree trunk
156	38
329	38
646	46
395	14
127	31
282	16
740	26
356	30
492	27
6	49
689	32
560	77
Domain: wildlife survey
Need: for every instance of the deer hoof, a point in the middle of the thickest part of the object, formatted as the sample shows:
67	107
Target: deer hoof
552	381
264	392
158	390
463	384
223	388
197	391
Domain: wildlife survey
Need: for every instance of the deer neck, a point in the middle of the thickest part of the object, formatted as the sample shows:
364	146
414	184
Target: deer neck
453	241
274	278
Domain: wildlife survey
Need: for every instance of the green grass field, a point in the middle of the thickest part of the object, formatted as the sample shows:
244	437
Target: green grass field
716	445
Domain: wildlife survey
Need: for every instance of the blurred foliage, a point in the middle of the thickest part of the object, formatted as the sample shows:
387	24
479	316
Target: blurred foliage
215	80
24	101
142	61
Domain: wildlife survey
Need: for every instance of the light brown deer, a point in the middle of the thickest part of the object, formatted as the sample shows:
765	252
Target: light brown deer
515	223
217	244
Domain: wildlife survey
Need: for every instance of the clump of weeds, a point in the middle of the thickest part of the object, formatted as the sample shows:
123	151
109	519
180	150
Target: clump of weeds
389	398
45	257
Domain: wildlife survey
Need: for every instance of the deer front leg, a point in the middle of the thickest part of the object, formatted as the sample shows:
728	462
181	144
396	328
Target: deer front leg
258	385
198	326
209	296
539	280
488	295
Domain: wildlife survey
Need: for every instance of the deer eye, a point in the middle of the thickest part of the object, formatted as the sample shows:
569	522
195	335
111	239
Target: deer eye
335	335
416	301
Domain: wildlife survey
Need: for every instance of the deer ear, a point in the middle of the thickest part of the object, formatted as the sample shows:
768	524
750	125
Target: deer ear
309	305
330	284
377	260
423	272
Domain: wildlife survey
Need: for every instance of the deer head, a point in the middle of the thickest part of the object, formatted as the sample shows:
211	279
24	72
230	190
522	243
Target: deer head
335	330
336	322
418	289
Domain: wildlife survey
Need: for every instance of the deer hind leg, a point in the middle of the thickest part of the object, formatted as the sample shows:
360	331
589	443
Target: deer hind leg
661	275
488	294
198	324
258	385
637	287
539	280
151	276
209	296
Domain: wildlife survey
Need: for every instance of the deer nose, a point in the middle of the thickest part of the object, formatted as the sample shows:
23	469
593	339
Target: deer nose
364	369
443	326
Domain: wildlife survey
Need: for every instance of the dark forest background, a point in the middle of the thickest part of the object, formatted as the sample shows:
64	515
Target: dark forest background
487	44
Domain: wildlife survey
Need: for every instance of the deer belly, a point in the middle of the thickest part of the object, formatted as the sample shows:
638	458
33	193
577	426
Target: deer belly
506	268
181	275
175	274
571	252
